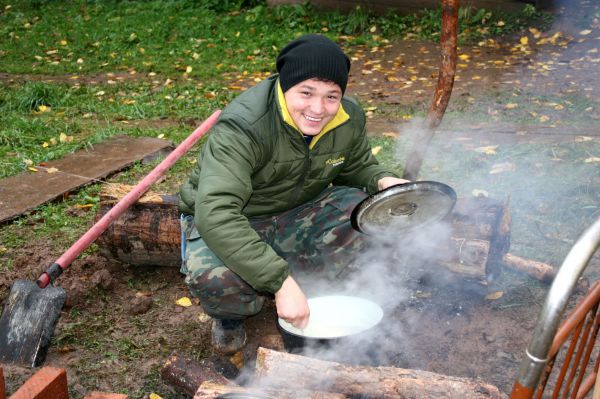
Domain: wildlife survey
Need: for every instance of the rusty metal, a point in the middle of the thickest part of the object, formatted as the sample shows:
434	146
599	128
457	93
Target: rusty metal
548	338
573	326
448	44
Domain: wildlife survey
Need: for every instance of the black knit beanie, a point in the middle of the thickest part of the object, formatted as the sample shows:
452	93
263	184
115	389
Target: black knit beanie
312	56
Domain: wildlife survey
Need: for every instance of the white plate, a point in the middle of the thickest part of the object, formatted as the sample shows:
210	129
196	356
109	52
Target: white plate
337	316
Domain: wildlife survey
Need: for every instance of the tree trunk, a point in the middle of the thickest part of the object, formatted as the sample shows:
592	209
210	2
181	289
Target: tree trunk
290	371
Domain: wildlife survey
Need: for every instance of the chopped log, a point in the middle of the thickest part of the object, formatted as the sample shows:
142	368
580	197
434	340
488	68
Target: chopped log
187	374
210	390
538	270
148	234
285	370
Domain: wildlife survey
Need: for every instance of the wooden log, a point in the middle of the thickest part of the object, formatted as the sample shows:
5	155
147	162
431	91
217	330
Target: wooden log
210	390
147	234
290	371
187	374
538	270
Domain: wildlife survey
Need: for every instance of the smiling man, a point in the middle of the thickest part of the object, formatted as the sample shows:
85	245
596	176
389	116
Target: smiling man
271	196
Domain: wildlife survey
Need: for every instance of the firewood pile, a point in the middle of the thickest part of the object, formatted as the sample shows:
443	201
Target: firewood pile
148	233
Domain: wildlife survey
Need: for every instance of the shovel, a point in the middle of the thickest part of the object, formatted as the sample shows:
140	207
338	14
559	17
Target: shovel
32	309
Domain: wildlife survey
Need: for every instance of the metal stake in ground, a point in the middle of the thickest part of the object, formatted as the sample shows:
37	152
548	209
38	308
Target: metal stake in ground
31	311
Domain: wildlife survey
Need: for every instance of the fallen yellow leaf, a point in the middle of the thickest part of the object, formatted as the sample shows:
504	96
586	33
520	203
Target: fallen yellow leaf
237	360
375	150
502	167
63	138
494	295
154	396
204	318
544	118
488	150
32	169
184	302
536	33
83	206
524	40
511	105
464	57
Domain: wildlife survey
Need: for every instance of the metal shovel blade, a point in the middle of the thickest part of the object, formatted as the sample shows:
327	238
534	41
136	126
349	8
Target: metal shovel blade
28	321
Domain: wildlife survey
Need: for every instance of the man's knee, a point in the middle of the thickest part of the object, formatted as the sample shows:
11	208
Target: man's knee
223	294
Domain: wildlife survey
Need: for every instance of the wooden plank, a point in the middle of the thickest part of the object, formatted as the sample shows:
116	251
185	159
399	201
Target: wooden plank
27	190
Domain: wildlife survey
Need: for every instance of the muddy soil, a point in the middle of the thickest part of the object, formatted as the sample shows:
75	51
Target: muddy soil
121	322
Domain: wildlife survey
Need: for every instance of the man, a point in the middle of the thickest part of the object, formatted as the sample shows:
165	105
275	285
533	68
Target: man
273	189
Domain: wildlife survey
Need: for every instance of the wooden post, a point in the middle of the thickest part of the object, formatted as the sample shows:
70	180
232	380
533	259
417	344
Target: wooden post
448	43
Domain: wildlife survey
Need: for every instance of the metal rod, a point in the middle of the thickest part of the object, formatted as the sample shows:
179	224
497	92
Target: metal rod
536	355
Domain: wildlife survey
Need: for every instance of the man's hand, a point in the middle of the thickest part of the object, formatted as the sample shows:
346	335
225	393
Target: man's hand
389	181
291	304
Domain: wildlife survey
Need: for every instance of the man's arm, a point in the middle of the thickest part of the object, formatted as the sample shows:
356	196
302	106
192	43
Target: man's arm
224	187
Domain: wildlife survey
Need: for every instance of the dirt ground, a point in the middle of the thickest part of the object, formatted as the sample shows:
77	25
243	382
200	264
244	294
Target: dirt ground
444	327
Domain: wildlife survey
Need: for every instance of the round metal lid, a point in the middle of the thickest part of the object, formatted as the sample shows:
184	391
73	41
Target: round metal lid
403	207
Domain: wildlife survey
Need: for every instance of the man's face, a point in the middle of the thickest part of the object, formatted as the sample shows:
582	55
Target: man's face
312	104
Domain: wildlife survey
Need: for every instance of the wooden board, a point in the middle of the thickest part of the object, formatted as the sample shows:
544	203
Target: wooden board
27	190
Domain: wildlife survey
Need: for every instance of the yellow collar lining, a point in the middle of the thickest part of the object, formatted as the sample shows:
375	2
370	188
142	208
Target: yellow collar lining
340	117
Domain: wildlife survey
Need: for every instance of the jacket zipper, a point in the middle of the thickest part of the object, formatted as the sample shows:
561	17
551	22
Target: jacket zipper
302	180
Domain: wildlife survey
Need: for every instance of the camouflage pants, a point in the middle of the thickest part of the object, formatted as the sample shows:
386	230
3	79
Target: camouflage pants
315	238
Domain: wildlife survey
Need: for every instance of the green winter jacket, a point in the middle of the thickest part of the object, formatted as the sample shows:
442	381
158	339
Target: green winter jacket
256	163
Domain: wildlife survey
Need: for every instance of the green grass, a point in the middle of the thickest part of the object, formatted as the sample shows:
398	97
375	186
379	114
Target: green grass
167	61
167	37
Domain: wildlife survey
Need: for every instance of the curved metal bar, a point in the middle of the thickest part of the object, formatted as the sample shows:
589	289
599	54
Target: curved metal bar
556	301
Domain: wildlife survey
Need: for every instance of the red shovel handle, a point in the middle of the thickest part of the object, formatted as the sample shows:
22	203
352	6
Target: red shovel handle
101	225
